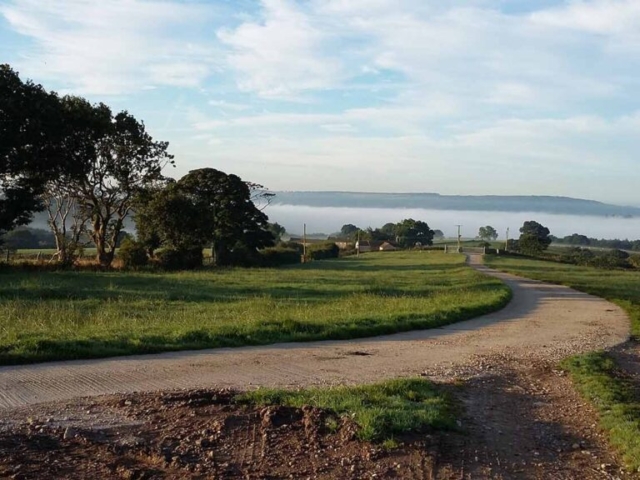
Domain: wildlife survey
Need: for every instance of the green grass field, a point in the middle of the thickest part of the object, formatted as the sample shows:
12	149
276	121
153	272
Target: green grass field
596	375
65	315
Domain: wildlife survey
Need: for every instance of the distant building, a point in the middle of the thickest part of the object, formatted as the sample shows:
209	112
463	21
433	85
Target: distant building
364	246
388	247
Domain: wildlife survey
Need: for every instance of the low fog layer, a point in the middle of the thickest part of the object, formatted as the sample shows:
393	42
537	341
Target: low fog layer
330	219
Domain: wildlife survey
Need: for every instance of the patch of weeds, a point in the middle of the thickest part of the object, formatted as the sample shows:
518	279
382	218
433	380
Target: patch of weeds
382	411
390	444
332	424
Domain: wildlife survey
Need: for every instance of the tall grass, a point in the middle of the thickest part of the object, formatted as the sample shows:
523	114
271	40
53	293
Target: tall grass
65	315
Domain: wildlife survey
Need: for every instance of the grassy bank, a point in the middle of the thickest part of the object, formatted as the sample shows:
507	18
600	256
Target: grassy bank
65	315
618	286
595	374
597	379
382	411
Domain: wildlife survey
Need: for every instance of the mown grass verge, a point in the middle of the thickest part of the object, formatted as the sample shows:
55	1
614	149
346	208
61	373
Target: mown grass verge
69	315
596	375
382	411
597	379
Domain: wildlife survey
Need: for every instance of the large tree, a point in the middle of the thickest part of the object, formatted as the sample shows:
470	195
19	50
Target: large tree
277	230
410	232
126	159
534	238
165	217
348	230
206	207
32	136
487	233
86	126
230	217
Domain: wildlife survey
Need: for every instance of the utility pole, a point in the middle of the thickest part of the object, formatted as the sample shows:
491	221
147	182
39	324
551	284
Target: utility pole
304	242
506	243
459	239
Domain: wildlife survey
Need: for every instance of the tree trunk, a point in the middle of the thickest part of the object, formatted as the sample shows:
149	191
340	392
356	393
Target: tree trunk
99	235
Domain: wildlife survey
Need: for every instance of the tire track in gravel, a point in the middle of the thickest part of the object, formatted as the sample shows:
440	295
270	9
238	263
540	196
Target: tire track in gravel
542	322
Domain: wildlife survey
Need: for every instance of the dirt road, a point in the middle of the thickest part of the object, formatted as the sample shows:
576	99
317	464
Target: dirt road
542	323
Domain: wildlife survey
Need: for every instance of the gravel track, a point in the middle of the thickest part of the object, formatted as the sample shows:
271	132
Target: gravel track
543	322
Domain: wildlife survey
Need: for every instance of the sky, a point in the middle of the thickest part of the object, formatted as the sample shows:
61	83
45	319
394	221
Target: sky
455	97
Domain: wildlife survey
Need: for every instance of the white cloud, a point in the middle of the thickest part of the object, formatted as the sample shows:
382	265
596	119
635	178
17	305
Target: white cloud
224	105
113	47
338	127
604	17
281	55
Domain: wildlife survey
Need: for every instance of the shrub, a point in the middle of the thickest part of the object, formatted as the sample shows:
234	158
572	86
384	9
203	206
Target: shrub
611	259
634	261
513	245
321	251
241	256
275	256
132	253
577	256
180	259
298	247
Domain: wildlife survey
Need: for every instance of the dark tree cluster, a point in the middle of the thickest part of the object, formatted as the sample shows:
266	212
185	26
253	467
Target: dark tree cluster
608	259
534	238
205	208
487	233
584	241
28	238
407	233
89	167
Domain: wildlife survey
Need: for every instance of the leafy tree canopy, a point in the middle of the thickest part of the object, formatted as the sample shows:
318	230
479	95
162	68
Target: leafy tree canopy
410	232
206	207
32	134
348	230
534	238
487	233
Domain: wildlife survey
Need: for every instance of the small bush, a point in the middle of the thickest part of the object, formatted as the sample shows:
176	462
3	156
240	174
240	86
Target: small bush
577	256
634	261
182	259
611	259
276	256
298	247
133	254
322	251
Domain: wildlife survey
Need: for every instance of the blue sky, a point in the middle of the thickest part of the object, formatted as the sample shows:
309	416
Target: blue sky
456	97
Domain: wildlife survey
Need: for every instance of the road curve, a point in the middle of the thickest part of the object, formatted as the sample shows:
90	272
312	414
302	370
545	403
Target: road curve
542	322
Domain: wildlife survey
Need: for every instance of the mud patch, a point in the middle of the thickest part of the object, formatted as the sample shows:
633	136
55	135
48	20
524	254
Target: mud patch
202	434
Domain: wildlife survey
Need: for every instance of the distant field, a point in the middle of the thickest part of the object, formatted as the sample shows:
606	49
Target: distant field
619	286
64	315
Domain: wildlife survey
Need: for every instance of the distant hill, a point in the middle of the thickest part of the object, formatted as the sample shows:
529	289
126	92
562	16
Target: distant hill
435	201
